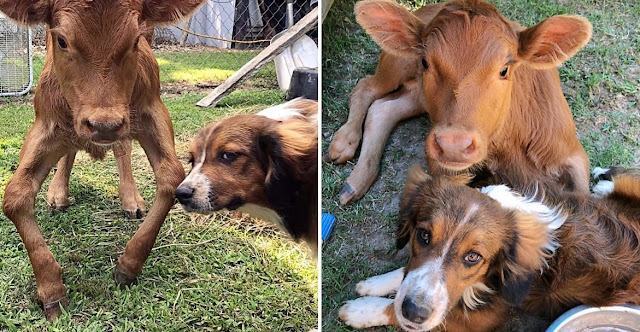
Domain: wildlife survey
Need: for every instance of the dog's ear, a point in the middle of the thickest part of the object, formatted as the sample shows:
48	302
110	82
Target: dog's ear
515	288
524	254
272	160
408	207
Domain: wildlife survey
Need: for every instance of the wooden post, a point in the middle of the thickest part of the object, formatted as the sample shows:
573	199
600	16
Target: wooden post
289	37
326	5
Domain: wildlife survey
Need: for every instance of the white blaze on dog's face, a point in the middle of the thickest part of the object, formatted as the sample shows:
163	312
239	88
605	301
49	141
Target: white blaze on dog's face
459	238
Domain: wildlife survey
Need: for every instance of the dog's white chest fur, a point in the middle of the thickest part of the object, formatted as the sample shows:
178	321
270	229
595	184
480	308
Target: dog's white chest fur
263	213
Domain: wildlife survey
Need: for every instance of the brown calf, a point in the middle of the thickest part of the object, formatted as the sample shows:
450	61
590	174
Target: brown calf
490	87
99	89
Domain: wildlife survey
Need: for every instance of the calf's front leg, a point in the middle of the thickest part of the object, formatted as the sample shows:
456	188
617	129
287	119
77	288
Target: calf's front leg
157	141
384	115
39	153
391	72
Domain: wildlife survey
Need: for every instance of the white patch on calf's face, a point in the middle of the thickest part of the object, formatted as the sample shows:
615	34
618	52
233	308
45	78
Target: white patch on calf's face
368	311
381	285
425	286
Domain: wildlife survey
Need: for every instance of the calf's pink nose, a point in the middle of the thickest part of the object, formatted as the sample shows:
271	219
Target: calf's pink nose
455	143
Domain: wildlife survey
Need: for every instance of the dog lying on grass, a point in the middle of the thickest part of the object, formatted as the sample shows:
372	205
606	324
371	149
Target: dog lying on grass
475	253
264	163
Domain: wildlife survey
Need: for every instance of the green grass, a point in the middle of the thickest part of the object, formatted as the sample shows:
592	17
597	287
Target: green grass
204	66
601	83
222	272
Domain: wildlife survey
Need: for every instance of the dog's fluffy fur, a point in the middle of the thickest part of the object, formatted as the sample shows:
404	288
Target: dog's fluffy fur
490	249
267	160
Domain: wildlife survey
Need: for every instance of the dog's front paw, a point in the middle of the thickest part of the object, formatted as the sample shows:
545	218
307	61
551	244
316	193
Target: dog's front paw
381	285
367	311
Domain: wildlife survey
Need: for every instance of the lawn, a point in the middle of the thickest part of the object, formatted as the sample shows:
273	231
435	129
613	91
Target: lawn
222	272
602	85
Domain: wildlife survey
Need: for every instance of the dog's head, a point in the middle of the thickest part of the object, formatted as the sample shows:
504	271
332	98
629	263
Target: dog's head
251	159
466	246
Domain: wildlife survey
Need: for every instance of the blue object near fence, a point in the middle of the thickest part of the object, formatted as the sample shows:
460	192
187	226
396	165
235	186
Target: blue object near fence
328	221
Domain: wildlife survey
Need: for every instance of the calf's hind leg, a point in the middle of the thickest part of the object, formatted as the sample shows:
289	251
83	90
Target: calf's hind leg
130	198
58	193
157	141
37	157
383	116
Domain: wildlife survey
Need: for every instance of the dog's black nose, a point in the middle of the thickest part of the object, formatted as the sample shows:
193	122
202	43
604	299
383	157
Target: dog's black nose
413	312
184	193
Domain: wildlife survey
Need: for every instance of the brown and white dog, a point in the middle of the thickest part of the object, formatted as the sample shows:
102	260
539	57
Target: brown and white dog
267	160
475	253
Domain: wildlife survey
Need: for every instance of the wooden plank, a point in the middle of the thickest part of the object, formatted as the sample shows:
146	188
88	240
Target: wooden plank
326	6
289	37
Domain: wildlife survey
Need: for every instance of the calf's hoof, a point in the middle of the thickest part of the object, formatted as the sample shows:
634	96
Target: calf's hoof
133	206
134	213
344	145
58	204
123	278
348	194
53	310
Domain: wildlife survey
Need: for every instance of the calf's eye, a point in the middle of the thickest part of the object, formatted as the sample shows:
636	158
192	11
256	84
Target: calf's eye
62	43
424	237
504	73
472	258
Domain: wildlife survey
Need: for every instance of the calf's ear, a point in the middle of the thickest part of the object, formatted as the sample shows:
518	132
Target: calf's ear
554	40
167	11
27	12
391	26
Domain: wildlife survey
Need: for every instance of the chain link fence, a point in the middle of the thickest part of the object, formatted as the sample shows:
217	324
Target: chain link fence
225	24
16	73
218	25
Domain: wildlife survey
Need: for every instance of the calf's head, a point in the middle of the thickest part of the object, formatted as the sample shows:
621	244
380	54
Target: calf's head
467	245
470	59
94	52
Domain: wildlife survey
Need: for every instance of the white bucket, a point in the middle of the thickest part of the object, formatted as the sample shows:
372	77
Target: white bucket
302	53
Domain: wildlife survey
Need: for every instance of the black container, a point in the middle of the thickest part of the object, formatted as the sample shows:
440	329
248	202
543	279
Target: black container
304	83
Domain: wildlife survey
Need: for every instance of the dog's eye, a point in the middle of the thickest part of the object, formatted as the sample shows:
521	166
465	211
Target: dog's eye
424	237
227	157
472	258
504	73
191	159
